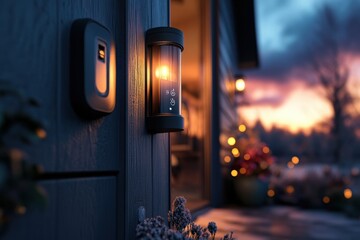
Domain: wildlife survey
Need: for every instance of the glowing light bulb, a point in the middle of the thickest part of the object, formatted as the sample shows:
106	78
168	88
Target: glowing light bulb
240	85
162	72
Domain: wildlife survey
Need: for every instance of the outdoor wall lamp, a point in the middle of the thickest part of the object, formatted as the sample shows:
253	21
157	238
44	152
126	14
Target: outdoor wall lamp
163	80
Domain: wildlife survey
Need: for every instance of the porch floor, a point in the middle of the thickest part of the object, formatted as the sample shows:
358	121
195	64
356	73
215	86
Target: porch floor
281	222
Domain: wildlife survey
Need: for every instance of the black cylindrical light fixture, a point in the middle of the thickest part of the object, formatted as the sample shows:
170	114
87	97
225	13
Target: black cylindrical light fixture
163	79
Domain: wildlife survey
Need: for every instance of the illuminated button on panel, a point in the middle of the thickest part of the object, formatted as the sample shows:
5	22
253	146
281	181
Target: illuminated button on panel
101	80
101	52
173	93
172	102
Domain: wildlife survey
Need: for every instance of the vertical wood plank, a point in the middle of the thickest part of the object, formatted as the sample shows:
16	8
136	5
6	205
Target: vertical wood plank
85	145
215	169
148	159
224	60
28	44
78	209
121	105
87	209
138	142
161	147
37	224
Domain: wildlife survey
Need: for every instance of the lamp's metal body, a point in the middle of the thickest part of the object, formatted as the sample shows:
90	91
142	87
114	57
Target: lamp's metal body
163	77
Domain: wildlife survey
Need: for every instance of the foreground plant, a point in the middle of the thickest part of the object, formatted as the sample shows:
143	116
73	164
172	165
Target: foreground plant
181	224
18	189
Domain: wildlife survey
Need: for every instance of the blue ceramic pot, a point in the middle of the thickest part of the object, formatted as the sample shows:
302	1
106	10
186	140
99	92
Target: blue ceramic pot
251	191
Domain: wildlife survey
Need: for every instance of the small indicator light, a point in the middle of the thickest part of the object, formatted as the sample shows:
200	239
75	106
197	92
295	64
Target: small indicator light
101	52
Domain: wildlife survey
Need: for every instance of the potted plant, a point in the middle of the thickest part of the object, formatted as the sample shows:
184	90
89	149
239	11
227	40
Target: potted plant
249	169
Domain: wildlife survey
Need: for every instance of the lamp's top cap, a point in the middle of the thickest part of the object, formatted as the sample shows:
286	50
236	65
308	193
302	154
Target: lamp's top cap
165	35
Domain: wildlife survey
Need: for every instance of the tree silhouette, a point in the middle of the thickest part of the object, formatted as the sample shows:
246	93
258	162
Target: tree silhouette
331	70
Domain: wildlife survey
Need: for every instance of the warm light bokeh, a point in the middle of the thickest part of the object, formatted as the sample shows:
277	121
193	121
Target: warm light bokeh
231	141
290	189
41	133
290	165
326	199
227	159
242	128
347	193
234	173
271	193
295	160
235	152
266	149
240	85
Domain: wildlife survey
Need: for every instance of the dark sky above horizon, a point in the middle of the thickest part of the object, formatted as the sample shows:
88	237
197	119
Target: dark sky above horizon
283	91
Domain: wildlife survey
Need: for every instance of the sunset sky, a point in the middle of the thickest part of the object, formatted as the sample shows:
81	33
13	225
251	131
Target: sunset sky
283	91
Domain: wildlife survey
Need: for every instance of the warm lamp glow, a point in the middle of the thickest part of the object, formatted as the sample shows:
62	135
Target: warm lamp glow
295	160
234	173
235	152
242	171
347	193
326	199
271	193
240	85
227	159
231	141
112	76
242	128
247	156
162	72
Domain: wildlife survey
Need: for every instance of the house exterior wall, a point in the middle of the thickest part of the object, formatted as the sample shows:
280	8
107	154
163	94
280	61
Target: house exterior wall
147	166
226	67
98	172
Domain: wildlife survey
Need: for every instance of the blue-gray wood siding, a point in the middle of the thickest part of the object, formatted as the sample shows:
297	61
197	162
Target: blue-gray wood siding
226	67
99	171
148	156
